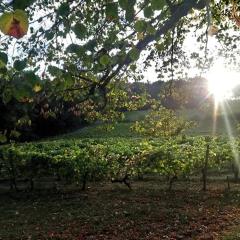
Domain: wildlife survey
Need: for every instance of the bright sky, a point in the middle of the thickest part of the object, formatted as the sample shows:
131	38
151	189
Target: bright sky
190	43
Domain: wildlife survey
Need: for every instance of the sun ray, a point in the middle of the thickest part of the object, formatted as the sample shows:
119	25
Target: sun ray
215	112
231	136
222	81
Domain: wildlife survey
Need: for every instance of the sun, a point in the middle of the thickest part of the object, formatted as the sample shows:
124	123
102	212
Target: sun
222	81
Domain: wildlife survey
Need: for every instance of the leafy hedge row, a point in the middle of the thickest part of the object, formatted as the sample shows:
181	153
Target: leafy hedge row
114	159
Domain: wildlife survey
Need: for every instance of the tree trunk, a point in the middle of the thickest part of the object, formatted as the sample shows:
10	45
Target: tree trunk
204	169
140	176
172	180
228	183
235	170
13	177
31	184
125	180
84	181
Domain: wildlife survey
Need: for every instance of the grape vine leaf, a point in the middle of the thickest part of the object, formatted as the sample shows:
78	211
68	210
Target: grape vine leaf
15	23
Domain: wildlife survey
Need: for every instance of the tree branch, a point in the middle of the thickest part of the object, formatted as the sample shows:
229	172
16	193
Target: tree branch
181	11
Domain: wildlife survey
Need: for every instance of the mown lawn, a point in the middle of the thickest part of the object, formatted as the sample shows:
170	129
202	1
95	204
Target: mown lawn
111	211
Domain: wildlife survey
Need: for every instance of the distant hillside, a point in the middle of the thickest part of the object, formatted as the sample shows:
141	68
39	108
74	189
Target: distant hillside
204	118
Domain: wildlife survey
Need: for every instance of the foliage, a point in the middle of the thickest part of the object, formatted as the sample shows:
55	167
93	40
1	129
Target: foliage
79	59
161	122
82	160
14	23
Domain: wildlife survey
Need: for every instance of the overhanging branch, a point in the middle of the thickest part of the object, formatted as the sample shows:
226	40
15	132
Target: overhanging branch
181	11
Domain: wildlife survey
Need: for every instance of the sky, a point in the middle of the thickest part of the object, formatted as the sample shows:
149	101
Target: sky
190	43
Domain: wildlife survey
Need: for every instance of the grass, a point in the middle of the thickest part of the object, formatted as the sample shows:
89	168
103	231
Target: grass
204	121
205	126
108	211
111	211
120	130
135	115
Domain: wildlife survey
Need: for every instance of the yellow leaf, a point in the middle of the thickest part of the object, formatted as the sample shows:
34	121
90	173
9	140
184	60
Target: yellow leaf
213	30
140	36
5	22
37	88
14	24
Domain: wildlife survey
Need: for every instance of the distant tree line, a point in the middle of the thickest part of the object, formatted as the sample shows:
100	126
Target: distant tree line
45	115
189	93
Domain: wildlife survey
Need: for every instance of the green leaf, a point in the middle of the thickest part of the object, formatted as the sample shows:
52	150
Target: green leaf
130	13
77	49
3	59
23	91
158	4
123	4
148	12
133	67
140	26
105	60
112	11
64	9
30	76
126	4
54	71
160	47
15	134
131	3
7	95
49	35
91	44
3	70
22	4
3	138
80	30
20	65
5	22
151	30
134	54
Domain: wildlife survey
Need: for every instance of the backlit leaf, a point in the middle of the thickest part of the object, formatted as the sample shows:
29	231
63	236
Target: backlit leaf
7	95
140	26
20	65
80	30
105	60
37	88
3	138
64	9
3	59
123	4
112	11
14	24
134	54
148	12
22	4
157	4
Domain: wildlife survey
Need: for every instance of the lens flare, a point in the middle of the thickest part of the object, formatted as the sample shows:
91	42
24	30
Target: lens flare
232	140
222	81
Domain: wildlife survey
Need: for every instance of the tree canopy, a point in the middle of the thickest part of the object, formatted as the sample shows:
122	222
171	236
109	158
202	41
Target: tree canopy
77	50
